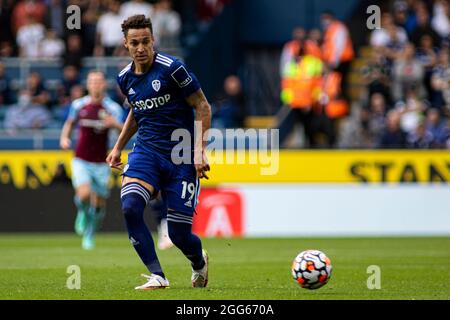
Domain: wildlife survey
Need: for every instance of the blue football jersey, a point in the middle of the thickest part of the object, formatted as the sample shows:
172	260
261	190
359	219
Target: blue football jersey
158	101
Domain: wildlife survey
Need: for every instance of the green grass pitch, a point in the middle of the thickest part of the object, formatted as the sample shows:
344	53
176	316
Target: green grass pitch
34	266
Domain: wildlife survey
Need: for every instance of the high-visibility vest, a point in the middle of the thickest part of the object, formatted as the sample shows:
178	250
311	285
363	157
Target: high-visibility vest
311	48
300	85
329	47
335	106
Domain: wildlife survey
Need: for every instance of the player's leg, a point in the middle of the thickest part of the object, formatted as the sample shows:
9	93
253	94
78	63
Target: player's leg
141	176
94	218
180	232
81	183
97	210
181	195
81	199
100	174
135	195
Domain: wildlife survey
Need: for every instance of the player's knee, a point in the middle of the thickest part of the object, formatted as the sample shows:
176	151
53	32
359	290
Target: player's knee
131	207
134	200
84	193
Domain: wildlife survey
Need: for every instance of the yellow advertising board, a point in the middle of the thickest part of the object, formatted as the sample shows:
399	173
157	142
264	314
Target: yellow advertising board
358	166
31	169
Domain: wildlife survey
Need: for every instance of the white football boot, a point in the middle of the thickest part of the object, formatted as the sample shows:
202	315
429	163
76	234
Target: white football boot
153	282
200	277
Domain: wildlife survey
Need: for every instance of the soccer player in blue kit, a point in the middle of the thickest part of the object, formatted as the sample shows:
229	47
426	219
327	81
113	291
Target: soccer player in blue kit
162	94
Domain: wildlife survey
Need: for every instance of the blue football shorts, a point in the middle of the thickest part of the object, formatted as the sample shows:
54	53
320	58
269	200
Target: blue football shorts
178	183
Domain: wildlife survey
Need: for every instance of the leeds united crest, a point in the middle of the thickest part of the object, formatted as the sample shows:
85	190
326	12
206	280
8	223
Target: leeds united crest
156	84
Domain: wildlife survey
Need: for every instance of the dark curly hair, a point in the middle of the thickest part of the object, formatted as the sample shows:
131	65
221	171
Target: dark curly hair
138	21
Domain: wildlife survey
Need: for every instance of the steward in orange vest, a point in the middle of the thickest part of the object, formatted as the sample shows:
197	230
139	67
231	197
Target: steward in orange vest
337	45
301	80
330	97
337	53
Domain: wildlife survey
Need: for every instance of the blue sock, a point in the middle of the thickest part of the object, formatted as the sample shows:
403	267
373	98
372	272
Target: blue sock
181	235
100	213
94	219
134	199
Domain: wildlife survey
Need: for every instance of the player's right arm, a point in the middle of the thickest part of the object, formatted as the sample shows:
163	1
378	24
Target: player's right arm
64	140
128	131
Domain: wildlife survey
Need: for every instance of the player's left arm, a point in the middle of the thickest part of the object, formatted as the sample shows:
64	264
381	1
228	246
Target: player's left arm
202	115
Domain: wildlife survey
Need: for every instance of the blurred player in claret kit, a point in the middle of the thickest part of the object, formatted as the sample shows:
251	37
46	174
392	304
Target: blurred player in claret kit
162	94
95	114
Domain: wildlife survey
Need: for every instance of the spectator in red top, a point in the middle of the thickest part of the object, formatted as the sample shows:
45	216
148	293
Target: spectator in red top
26	8
208	9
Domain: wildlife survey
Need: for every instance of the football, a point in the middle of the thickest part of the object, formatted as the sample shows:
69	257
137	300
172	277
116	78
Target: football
311	269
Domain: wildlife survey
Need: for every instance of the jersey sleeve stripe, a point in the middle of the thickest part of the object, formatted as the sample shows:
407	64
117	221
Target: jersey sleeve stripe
167	64
124	70
162	59
160	56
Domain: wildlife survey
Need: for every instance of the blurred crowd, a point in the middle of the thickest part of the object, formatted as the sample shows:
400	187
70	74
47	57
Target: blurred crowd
313	70
405	101
406	97
405	74
39	30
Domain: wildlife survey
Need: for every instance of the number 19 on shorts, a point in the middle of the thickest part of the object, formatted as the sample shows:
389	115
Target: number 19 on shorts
189	191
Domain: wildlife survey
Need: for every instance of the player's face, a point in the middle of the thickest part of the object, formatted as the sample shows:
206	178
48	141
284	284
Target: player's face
139	43
96	84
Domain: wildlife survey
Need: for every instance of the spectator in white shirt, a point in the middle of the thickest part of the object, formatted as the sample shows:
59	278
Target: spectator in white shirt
51	45
133	7
441	18
29	38
381	37
109	32
166	24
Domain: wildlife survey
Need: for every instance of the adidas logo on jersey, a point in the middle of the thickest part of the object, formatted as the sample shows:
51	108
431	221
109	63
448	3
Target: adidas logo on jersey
131	91
188	204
